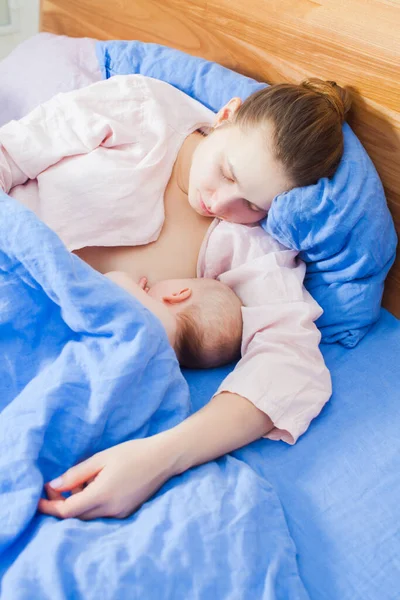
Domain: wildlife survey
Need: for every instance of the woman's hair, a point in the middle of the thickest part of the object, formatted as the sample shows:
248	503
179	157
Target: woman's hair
307	121
209	332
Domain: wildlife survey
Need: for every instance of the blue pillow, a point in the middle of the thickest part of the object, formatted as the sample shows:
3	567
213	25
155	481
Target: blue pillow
341	226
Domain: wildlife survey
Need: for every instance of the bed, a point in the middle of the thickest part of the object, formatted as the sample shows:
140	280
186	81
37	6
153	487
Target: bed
318	520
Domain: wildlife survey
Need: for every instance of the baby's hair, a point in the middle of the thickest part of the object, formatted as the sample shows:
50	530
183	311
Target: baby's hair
307	124
210	331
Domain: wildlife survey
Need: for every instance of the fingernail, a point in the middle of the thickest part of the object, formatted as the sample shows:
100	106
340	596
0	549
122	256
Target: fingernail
56	482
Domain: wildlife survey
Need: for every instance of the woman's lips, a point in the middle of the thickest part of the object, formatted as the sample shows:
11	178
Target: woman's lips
204	207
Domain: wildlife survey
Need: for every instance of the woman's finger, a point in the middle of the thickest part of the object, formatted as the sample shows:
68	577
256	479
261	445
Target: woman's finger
81	487
52	494
73	506
77	475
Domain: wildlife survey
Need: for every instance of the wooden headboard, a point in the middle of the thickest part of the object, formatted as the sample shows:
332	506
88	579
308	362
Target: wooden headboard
354	42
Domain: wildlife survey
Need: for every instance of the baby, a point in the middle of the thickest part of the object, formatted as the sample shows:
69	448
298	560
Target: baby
202	317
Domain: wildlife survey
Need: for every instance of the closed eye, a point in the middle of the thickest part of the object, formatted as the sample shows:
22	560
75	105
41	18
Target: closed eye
254	207
226	177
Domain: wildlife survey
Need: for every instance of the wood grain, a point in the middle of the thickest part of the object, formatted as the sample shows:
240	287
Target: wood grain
354	42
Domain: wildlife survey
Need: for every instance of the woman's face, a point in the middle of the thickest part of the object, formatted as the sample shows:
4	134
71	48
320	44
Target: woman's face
233	174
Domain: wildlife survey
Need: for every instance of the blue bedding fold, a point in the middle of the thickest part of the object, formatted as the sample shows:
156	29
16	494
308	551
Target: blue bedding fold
85	366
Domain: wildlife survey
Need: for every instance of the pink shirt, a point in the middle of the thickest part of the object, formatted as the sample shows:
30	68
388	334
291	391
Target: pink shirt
94	164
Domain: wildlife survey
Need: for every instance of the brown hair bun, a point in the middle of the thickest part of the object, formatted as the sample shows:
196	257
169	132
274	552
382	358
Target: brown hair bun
338	97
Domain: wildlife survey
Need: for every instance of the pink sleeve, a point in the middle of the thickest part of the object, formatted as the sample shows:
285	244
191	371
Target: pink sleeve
10	173
282	370
105	113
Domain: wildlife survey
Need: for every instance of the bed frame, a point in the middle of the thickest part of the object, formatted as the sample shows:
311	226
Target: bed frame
354	42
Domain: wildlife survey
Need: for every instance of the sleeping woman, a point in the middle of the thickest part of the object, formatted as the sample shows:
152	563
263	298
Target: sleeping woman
136	176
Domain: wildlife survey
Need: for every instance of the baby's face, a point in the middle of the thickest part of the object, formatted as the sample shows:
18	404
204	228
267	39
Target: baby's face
234	176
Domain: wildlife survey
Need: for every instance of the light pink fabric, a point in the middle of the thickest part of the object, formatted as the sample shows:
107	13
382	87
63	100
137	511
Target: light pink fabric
94	165
41	67
99	158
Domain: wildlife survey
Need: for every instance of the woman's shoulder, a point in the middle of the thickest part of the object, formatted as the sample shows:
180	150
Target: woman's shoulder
231	245
250	241
148	98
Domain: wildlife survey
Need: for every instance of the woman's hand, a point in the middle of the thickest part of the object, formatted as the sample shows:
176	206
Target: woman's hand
121	478
112	483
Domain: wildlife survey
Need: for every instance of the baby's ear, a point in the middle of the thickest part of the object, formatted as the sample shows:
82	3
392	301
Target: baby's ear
227	112
178	297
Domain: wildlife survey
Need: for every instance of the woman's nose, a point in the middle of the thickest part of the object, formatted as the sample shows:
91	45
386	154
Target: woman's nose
219	204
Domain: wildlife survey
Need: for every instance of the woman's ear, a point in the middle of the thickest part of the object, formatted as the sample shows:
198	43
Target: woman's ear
227	112
178	297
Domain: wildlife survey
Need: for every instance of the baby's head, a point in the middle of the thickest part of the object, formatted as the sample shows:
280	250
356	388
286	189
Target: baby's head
281	137
206	319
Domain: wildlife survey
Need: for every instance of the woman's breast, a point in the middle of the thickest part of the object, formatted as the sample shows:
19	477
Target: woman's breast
173	255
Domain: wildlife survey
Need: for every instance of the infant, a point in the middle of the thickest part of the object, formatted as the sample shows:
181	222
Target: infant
202	317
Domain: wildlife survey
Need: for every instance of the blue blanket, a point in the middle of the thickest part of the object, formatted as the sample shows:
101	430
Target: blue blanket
84	366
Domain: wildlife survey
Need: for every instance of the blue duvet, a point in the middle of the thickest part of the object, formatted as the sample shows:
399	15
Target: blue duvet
85	367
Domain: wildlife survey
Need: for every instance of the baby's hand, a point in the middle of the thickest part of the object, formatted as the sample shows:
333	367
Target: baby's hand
143	284
127	282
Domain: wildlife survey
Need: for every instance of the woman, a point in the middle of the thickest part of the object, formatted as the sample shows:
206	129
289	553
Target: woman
142	136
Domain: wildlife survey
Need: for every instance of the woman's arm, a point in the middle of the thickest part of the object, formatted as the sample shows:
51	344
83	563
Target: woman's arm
226	423
106	113
121	478
282	370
